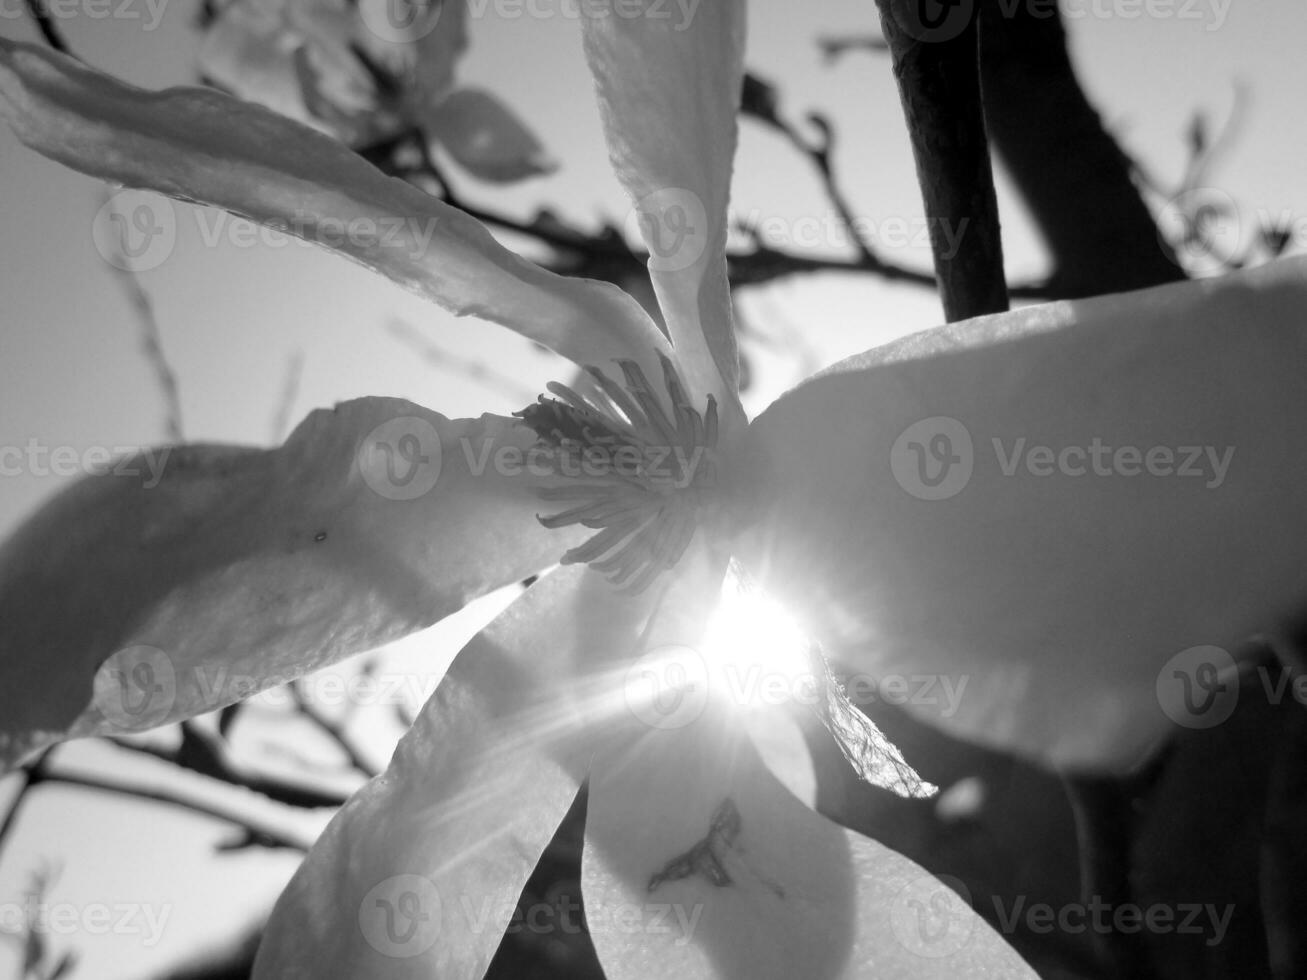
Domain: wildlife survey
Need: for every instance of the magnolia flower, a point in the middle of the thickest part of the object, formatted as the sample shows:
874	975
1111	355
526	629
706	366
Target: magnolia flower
367	71
865	499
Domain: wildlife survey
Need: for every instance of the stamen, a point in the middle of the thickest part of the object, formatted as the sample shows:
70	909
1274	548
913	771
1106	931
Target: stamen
620	399
630	470
647	400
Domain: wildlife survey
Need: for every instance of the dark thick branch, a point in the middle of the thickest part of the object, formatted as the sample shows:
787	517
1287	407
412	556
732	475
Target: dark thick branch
1068	168
939	84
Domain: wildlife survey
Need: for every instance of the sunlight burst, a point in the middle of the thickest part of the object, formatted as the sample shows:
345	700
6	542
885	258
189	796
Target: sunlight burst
755	648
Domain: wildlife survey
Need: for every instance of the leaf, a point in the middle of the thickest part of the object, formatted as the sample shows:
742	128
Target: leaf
487	138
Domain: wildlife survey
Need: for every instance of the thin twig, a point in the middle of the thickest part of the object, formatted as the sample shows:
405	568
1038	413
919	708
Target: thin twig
336	732
834	47
279	834
45	24
761	265
152	346
288	792
29	776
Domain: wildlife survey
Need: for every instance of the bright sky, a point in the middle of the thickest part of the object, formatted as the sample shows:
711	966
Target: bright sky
232	316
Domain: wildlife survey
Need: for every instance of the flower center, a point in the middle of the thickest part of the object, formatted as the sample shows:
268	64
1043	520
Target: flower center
632	472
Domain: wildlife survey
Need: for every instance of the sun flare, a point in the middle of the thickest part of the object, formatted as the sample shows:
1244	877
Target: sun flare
754	647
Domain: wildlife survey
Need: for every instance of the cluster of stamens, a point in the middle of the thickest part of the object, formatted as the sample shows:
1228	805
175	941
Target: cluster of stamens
634	473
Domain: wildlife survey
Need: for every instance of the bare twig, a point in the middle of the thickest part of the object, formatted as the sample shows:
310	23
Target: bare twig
338	733
221	767
285	833
29	776
152	346
607	256
45	24
835	47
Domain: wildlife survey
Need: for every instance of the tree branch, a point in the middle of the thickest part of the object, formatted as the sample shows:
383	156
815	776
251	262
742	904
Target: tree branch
45	24
939	84
1072	174
283	833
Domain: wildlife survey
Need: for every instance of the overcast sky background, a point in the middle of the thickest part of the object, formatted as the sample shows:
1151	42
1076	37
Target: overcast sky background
71	373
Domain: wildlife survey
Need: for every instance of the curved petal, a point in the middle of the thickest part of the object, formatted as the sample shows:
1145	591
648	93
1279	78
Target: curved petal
487	138
203	146
444	841
669	82
698	863
938	508
184	579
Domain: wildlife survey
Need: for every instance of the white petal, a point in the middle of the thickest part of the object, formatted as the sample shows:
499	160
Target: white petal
775	891
1053	604
474	793
203	146
187	578
669	84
